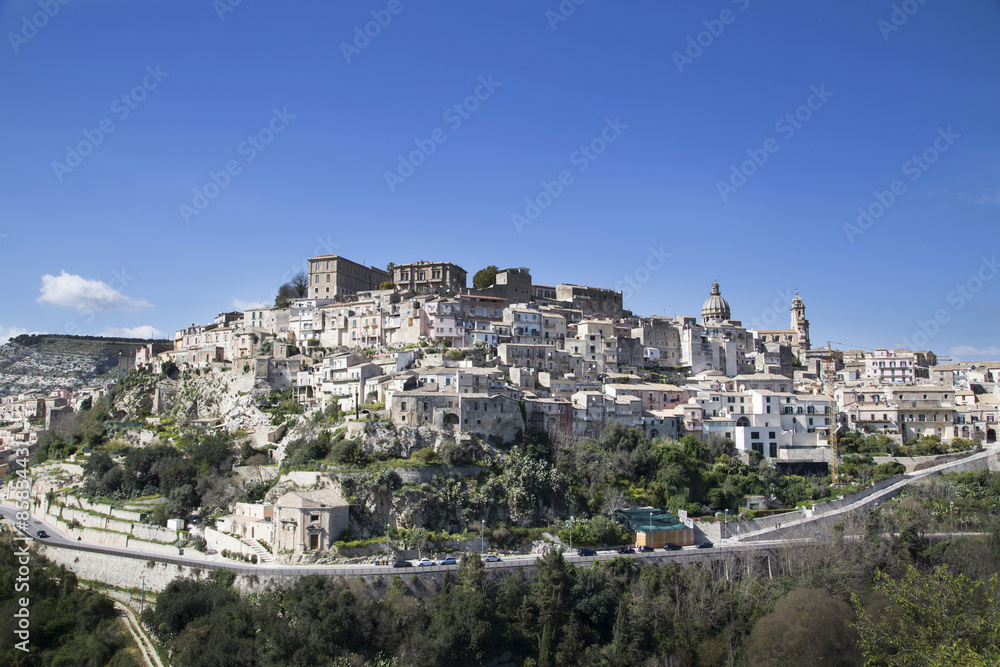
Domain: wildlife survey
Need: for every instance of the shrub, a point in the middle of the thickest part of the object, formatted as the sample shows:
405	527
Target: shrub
424	455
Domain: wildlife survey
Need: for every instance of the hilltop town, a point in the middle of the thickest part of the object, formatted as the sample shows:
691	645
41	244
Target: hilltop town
356	366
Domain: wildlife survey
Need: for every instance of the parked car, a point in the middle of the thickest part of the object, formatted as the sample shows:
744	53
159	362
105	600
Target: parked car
645	548
493	559
626	550
586	552
425	561
705	545
670	546
41	534
402	563
448	560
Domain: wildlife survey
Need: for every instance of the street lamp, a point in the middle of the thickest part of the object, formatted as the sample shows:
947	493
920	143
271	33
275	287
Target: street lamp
650	530
387	541
482	537
570	532
725	525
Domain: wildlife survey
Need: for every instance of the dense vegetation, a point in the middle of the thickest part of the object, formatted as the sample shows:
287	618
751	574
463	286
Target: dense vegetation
69	625
877	589
189	475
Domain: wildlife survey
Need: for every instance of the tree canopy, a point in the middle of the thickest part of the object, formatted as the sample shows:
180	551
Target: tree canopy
484	278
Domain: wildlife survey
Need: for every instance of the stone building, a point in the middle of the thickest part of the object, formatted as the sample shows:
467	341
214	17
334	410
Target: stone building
427	277
332	275
308	521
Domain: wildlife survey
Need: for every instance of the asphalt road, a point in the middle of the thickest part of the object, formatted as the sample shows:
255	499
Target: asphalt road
56	539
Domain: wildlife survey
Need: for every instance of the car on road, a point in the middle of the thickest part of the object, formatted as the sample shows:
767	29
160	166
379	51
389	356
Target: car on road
670	546
41	534
705	545
646	548
402	563
586	552
626	550
493	559
448	560
425	561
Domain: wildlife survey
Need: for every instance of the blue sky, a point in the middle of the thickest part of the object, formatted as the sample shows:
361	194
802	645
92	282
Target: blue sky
739	138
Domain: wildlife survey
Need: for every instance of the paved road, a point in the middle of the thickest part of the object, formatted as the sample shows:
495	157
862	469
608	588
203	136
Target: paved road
871	500
56	539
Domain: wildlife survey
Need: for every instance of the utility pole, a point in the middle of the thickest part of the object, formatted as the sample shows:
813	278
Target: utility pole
142	600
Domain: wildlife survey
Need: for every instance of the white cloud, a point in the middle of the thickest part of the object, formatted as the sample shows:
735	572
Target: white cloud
87	296
144	331
971	353
990	198
246	305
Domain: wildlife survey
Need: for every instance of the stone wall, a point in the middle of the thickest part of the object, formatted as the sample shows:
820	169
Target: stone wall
219	541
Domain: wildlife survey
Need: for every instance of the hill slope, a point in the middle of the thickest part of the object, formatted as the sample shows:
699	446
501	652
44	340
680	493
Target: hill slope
51	361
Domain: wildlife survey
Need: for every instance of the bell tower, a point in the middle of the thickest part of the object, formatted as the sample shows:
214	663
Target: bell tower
799	322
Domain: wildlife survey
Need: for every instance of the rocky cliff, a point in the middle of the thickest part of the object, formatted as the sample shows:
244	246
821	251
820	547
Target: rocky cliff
50	361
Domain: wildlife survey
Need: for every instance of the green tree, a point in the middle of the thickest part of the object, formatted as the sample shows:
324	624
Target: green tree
551	596
807	627
485	277
931	619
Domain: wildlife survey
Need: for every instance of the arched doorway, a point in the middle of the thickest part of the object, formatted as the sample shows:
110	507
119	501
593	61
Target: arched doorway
742	421
991	436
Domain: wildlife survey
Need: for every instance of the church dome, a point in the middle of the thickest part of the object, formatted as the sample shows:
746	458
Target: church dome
715	308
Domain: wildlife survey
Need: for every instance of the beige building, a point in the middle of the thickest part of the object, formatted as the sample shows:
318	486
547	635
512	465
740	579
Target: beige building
332	275
307	521
427	277
593	301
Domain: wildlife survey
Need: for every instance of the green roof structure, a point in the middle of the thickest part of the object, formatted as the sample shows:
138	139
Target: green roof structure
646	520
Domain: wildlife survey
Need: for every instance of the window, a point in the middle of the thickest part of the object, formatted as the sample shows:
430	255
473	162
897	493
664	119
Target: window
754	435
314	517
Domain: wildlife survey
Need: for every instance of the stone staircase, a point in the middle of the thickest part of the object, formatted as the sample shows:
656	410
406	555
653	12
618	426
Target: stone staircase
263	555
